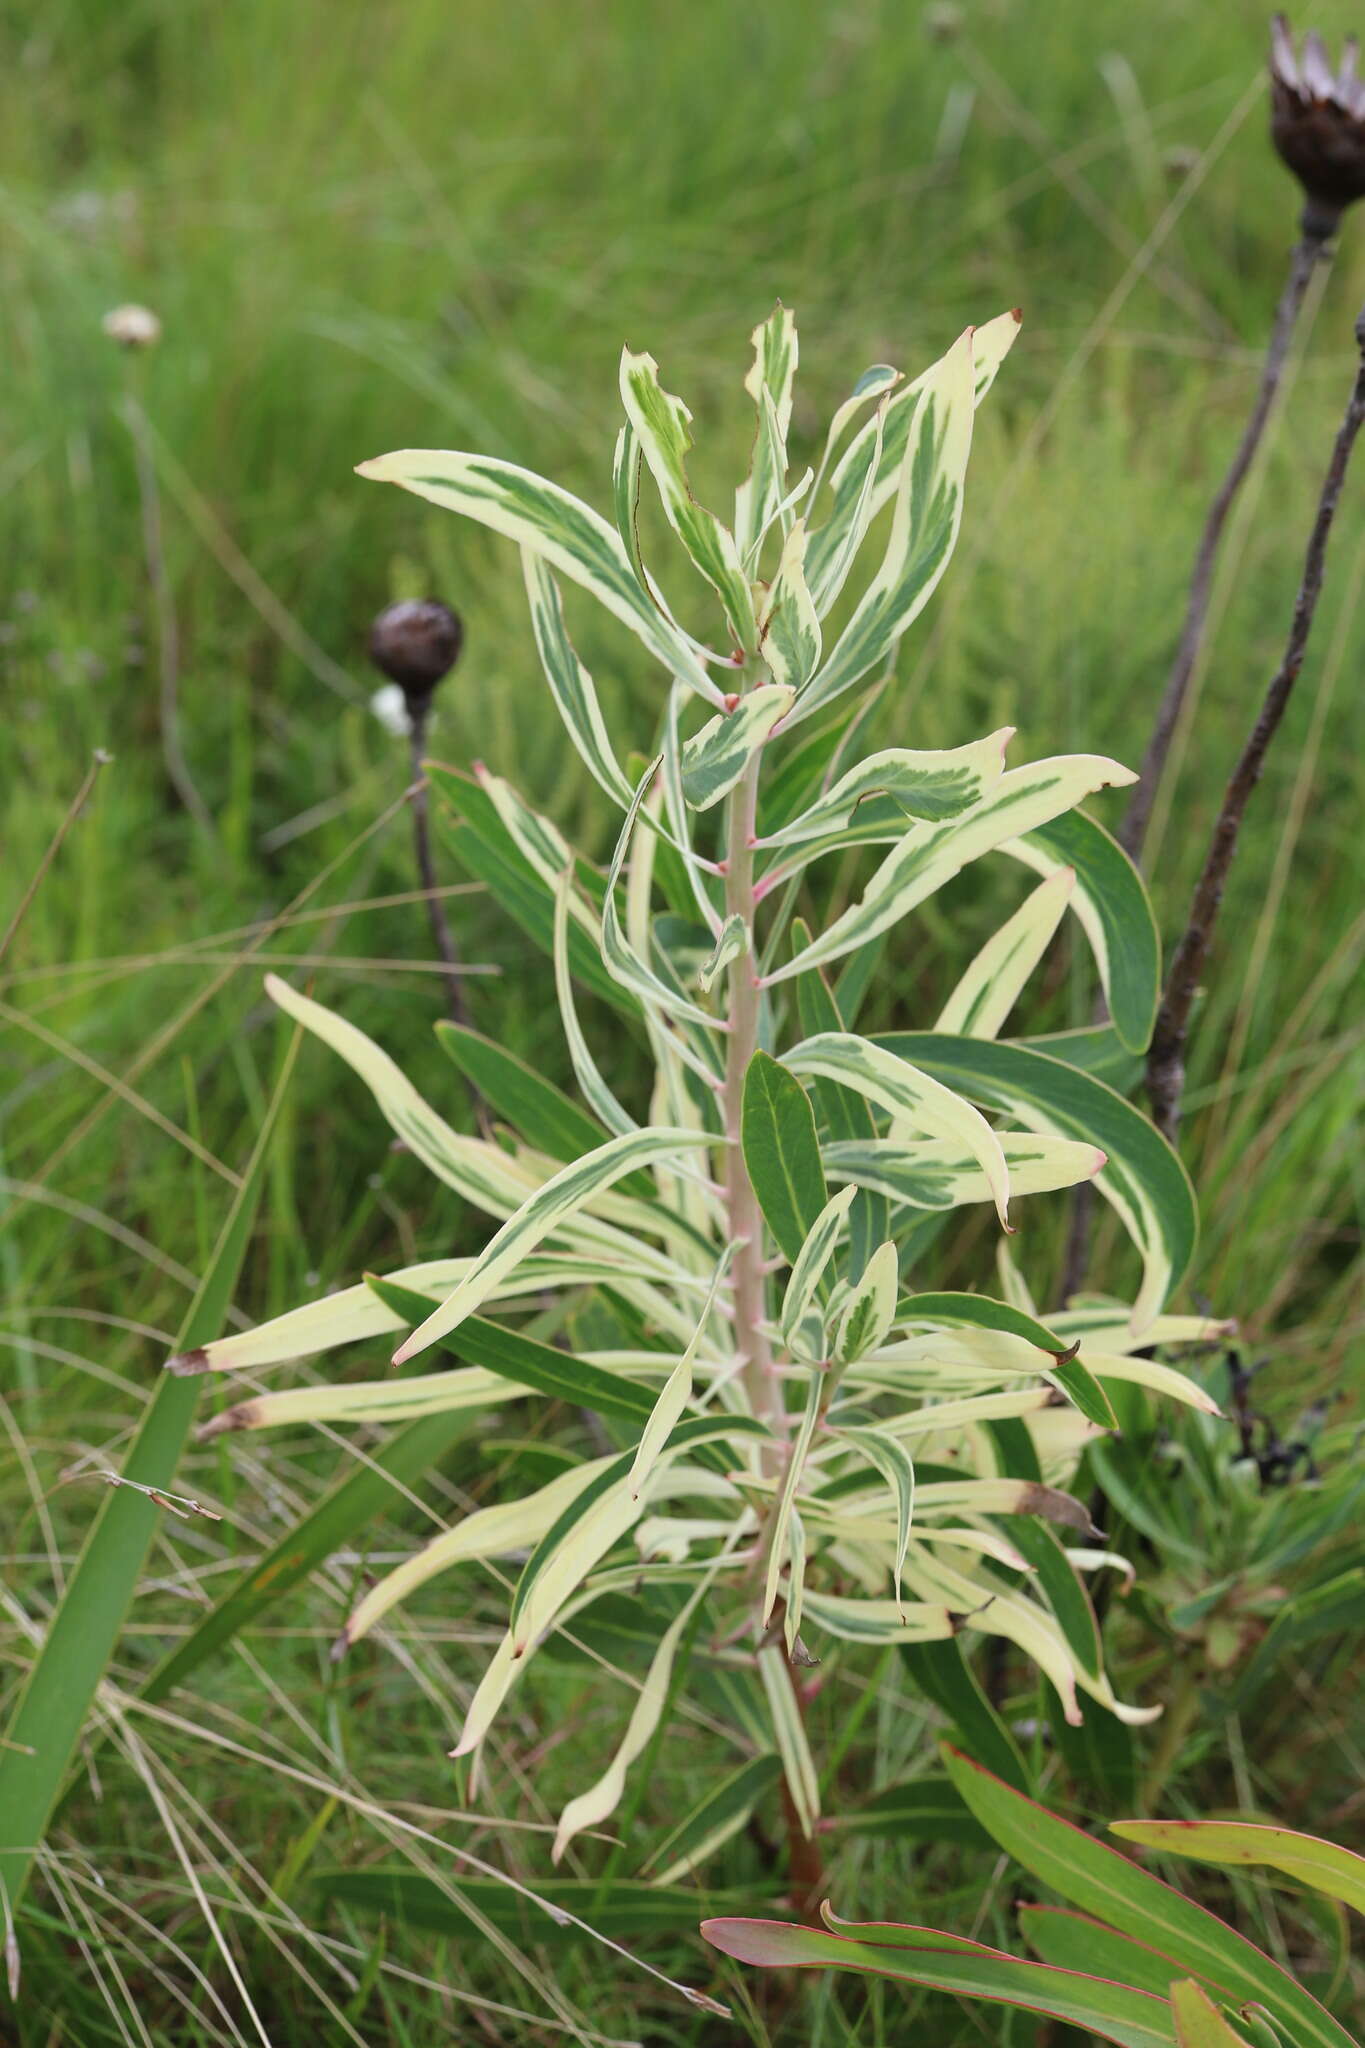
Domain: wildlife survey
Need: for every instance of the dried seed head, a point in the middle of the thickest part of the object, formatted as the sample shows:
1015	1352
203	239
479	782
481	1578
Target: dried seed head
1317	123
414	644
943	22
132	326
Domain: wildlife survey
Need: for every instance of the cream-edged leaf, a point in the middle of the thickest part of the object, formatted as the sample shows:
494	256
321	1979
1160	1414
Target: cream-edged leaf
995	979
799	1304
789	631
932	786
715	758
571	686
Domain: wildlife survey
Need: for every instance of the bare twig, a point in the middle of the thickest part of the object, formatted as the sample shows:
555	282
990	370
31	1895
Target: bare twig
1308	250
441	933
1166	1059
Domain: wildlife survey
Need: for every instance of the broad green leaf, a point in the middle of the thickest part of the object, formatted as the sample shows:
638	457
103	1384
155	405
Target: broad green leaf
1104	1883
1062	1588
896	1467
367	1488
1073	1941
589	1809
1198	2022
937	1173
82	1635
870	1309
715	758
782	1153
1322	1866
488	1532
995	979
941	1671
541	1113
799	1302
661	426
714	1821
561	529
731	944
769	383
1114	908
559	1912
558	1198
918	1955
924	528
789	630
571	686
932	786
1142	1180
926	856
789	1733
980	1312
907	1092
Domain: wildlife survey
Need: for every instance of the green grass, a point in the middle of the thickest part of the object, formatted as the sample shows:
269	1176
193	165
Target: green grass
364	229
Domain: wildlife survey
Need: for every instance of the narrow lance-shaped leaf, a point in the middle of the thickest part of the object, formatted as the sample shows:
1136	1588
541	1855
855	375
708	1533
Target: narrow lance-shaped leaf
894	1462
1198	2022
1322	1866
995	979
835	545
789	1732
870	1309
571	686
626	965
589	1809
769	383
909	1093
799	1301
782	1152
661	425
791	1480
565	532
1115	911
718	1817
559	1197
924	528
676	1391
596	1092
789	631
715	758
927	856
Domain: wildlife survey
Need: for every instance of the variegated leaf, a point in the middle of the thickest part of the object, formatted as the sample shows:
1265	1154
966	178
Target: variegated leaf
560	1196
369	1401
568	534
799	1309
893	1461
901	1088
571	686
661	425
596	1092
787	1491
835	545
676	1391
936	1173
769	383
715	758
624	963
995	979
930	855
880	1621
871	1307
924	528
732	944
789	631
789	1733
932	786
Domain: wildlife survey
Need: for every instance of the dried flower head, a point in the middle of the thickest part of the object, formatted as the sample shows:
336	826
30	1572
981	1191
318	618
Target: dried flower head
414	644
132	326
1317	122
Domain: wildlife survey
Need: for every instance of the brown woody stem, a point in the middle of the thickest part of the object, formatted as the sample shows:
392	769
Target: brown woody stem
1166	1059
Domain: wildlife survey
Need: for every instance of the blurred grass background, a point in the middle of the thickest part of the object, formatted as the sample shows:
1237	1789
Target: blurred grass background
368	227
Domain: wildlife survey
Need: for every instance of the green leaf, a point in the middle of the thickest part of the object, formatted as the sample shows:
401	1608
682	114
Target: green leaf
870	1309
714	1821
541	1113
933	786
83	1634
1073	1941
661	426
801	1322
561	529
782	1153
571	686
917	1955
1112	904
715	758
1198	2022
789	1733
1326	1610
559	1912
846	1113
732	943
1322	1866
770	384
1143	1180
894	1463
1105	1883
624	963
942	1673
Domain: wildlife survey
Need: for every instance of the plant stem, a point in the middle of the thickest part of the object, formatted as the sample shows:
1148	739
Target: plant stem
744	1219
1304	257
1181	1715
1166	1059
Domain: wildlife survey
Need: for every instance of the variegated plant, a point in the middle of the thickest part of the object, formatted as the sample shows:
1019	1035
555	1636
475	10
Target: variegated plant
805	1450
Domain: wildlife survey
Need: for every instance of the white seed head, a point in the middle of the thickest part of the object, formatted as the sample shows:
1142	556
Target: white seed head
132	326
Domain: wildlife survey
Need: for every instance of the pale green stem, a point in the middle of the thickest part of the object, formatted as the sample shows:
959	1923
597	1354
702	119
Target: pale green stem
745	1219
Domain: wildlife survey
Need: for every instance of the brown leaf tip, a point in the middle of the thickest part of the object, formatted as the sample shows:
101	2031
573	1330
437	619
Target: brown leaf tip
184	1363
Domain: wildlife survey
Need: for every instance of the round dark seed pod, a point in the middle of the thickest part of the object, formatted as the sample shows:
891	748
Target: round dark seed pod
415	644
